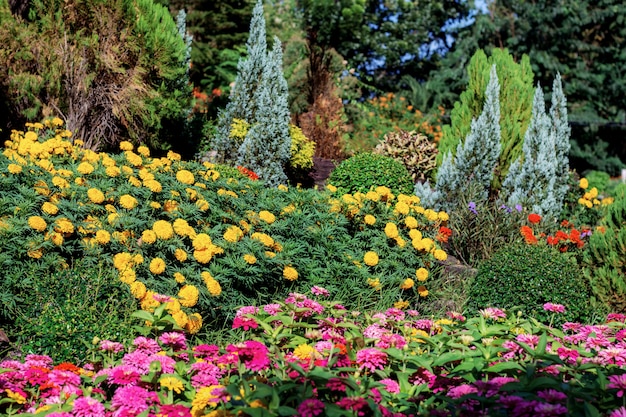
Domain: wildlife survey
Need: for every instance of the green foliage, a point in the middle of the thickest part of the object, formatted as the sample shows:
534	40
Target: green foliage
516	94
107	87
596	155
605	260
416	152
61	313
528	276
362	172
598	179
302	149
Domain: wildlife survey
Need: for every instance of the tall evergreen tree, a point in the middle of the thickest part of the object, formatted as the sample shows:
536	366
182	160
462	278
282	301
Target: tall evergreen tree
562	134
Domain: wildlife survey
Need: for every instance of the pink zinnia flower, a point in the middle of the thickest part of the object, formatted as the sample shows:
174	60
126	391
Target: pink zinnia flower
549	410
492	313
109	346
569	356
272	309
620	412
461	390
124	375
310	407
174	410
146	345
206	352
357	404
253	354
139	360
371	359
133	399
395	314
245	323
613	356
555	308
413	313
455	316
616	317
88	407
176	340
388	340
63	378
618	382
391	386
552	395
43	361
320	291
244	311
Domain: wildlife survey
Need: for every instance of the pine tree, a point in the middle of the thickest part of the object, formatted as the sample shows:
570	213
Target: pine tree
531	180
562	132
476	158
266	148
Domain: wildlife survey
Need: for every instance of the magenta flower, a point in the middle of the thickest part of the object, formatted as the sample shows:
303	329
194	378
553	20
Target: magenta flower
456	316
320	291
253	354
613	356
176	340
620	412
206	374
131	399
310	407
395	314
552	396
492	313
245	323
616	317
356	404
461	390
63	378
174	410
388	340
619	383
124	375
109	346
546	409
43	361
568	355
371	359
391	386
146	345
272	309
555	308
88	407
206	352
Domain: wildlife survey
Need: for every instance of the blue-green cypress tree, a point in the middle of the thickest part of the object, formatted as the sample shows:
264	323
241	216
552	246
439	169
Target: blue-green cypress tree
562	133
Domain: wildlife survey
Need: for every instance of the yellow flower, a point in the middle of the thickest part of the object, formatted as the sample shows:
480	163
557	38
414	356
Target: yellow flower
401	305
63	225
103	237
15	396
407	284
440	255
181	318
138	289
202	204
250	259
401	242
188	296
133	158
173	156
60	182
211	284
415	234
422	291
126	146
410	222
373	196
421	274
267	217
391	230
49	208
283	187
35	254
163	229
369	219
179	278
443	216
148	236
583	183
431	215
370	258
204	398
593	193
180	255
85	168
402	208
172	383
374	283
270	254
233	234
14	168
263	238
37	223
427	243
331	188
186	177
306	352
128	202
128	276
96	196
153	185
112	171
290	273
143	151
194	323
157	266
134	181
170	205
57	238
122	260
155	204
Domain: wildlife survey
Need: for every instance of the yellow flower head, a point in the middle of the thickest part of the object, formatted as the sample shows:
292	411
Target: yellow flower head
306	352
440	255
211	284
422	291
290	273
415	234
233	234
194	323
185	177
250	259
153	185
421	274
157	266
37	223
188	296
49	208
407	284
369	219
163	229
122	261
370	258
263	238
143	151
583	183
179	278
85	168
14	168
391	230
402	208
443	216
103	237
172	383
126	146
128	276
180	255
138	289
128	202
401	305
374	283
96	196
148	236
63	225
267	217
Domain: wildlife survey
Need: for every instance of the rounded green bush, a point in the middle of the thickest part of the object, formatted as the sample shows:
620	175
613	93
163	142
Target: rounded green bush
528	276
365	171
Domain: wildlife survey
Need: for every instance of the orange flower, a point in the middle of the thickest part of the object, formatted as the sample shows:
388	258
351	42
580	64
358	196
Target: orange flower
534	218
529	237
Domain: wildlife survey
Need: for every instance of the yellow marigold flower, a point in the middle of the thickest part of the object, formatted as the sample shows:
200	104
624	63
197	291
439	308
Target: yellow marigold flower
112	171
179	278
415	234
427	243
122	260
128	202
421	274
133	158
148	302
402	208
331	188
172	383
369	219
85	168
290	273
267	217
431	215
410	222
110	208
401	305
138	289
422	291
440	255
155	204
607	201
306	352
127	170
60	182
384	192
112	218
157	266
400	241
185	177
128	276
391	230
134	181
374	283
584	184
194	323
407	284
173	156
250	259
188	296
37	223
56	238
593	193
443	216
103	237
181	318
14	168
233	234
49	208
180	255
96	196
172	306
370	258
163	229
35	254
270	254
80	181
263	238
153	185
201	241
182	228
143	151
211	284
202	204
148	236
63	225
126	146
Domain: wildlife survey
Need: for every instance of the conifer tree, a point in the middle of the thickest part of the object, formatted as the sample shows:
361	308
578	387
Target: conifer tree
562	134
476	158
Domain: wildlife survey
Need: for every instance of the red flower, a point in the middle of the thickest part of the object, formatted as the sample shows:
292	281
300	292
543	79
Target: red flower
534	218
444	234
248	172
529	237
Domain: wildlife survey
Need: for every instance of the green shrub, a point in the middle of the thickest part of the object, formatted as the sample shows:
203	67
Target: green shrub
415	150
363	171
528	276
598	179
61	313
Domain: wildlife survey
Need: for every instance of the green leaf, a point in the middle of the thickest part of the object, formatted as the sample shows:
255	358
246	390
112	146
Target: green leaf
143	315
591	411
505	366
448	357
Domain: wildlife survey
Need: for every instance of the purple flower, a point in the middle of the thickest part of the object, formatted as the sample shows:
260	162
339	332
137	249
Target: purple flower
461	390
472	207
618	382
519	208
555	308
492	313
174	339
310	407
506	208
